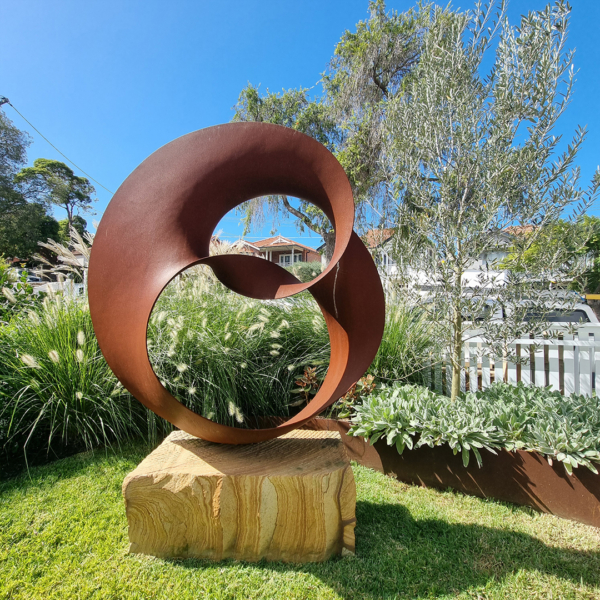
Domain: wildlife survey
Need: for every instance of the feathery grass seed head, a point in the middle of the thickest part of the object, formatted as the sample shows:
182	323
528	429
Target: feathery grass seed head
79	355
239	415
53	356
274	353
182	368
80	338
275	334
256	327
30	361
9	295
34	317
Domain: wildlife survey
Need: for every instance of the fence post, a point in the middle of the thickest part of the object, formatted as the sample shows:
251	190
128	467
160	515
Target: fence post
554	375
473	375
570	372
511	369
485	372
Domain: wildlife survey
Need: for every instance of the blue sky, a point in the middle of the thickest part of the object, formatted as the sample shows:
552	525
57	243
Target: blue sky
109	82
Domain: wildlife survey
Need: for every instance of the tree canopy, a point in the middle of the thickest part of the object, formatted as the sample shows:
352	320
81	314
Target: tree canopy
22	224
365	73
54	182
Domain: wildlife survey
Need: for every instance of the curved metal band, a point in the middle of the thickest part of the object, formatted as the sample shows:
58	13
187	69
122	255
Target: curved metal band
160	222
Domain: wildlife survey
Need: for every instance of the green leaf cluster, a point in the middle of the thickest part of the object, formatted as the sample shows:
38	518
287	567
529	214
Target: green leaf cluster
22	223
16	295
566	429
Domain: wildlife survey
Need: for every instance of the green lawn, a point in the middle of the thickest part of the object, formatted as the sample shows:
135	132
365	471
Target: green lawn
63	534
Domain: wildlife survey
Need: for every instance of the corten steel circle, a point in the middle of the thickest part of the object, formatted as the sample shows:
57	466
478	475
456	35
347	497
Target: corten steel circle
160	222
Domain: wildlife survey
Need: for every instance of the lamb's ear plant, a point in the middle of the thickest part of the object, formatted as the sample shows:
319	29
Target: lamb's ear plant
563	429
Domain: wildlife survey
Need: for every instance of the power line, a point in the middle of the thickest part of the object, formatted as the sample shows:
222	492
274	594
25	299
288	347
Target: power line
4	100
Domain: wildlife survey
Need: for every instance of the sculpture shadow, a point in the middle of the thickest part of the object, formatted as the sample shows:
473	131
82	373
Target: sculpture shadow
399	556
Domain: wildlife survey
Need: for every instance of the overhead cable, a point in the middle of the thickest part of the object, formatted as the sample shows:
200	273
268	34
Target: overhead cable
4	100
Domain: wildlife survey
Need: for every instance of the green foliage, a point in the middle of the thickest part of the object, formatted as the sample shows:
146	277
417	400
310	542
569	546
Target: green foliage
13	154
56	389
16	294
306	271
365	73
54	182
64	234
22	228
22	224
231	358
408	341
370	67
471	153
518	417
577	242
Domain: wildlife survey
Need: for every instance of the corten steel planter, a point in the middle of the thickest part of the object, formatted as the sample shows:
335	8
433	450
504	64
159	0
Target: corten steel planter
520	477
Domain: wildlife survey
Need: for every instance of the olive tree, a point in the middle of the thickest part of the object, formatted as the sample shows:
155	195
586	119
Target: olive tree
471	153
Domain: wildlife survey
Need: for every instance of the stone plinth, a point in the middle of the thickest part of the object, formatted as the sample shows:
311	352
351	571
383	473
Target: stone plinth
291	499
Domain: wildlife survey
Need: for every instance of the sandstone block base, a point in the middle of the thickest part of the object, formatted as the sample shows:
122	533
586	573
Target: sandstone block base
291	499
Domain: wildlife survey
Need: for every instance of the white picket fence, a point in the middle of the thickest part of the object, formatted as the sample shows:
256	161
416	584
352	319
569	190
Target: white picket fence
565	362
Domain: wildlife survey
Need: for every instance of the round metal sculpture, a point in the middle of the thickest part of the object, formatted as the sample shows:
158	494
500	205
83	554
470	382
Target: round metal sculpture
160	223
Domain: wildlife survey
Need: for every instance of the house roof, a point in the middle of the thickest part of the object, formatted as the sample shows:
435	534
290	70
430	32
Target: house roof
519	229
280	241
244	245
376	237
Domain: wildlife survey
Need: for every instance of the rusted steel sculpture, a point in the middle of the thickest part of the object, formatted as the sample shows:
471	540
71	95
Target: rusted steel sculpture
160	222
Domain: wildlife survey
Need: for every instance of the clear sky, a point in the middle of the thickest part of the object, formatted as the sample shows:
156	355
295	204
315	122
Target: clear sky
109	82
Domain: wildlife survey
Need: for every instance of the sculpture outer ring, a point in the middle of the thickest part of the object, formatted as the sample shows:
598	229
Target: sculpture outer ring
160	222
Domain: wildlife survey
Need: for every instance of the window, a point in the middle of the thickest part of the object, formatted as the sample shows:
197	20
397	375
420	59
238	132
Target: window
285	260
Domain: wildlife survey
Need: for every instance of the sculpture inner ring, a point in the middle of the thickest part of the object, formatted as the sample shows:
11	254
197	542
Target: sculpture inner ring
160	222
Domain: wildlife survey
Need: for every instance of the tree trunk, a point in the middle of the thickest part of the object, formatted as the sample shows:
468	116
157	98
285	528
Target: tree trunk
456	354
329	239
456	338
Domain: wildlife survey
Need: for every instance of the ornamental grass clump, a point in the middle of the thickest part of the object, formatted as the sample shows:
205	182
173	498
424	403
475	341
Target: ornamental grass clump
56	390
407	343
512	417
230	358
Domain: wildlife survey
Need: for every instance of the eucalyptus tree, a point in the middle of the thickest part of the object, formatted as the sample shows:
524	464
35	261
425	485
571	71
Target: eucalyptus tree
367	70
54	182
22	224
294	109
471	153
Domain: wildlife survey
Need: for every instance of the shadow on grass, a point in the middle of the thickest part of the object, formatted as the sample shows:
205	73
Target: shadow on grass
398	556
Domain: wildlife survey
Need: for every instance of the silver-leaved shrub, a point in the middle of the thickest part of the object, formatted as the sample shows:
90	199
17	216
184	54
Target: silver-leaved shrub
512	417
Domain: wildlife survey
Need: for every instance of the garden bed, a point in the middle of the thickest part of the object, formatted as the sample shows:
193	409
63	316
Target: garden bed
520	477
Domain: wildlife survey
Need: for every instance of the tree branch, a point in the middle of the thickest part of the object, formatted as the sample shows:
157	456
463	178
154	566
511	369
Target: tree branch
302	217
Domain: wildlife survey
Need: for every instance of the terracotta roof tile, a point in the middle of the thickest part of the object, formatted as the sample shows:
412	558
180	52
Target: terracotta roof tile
376	237
279	240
